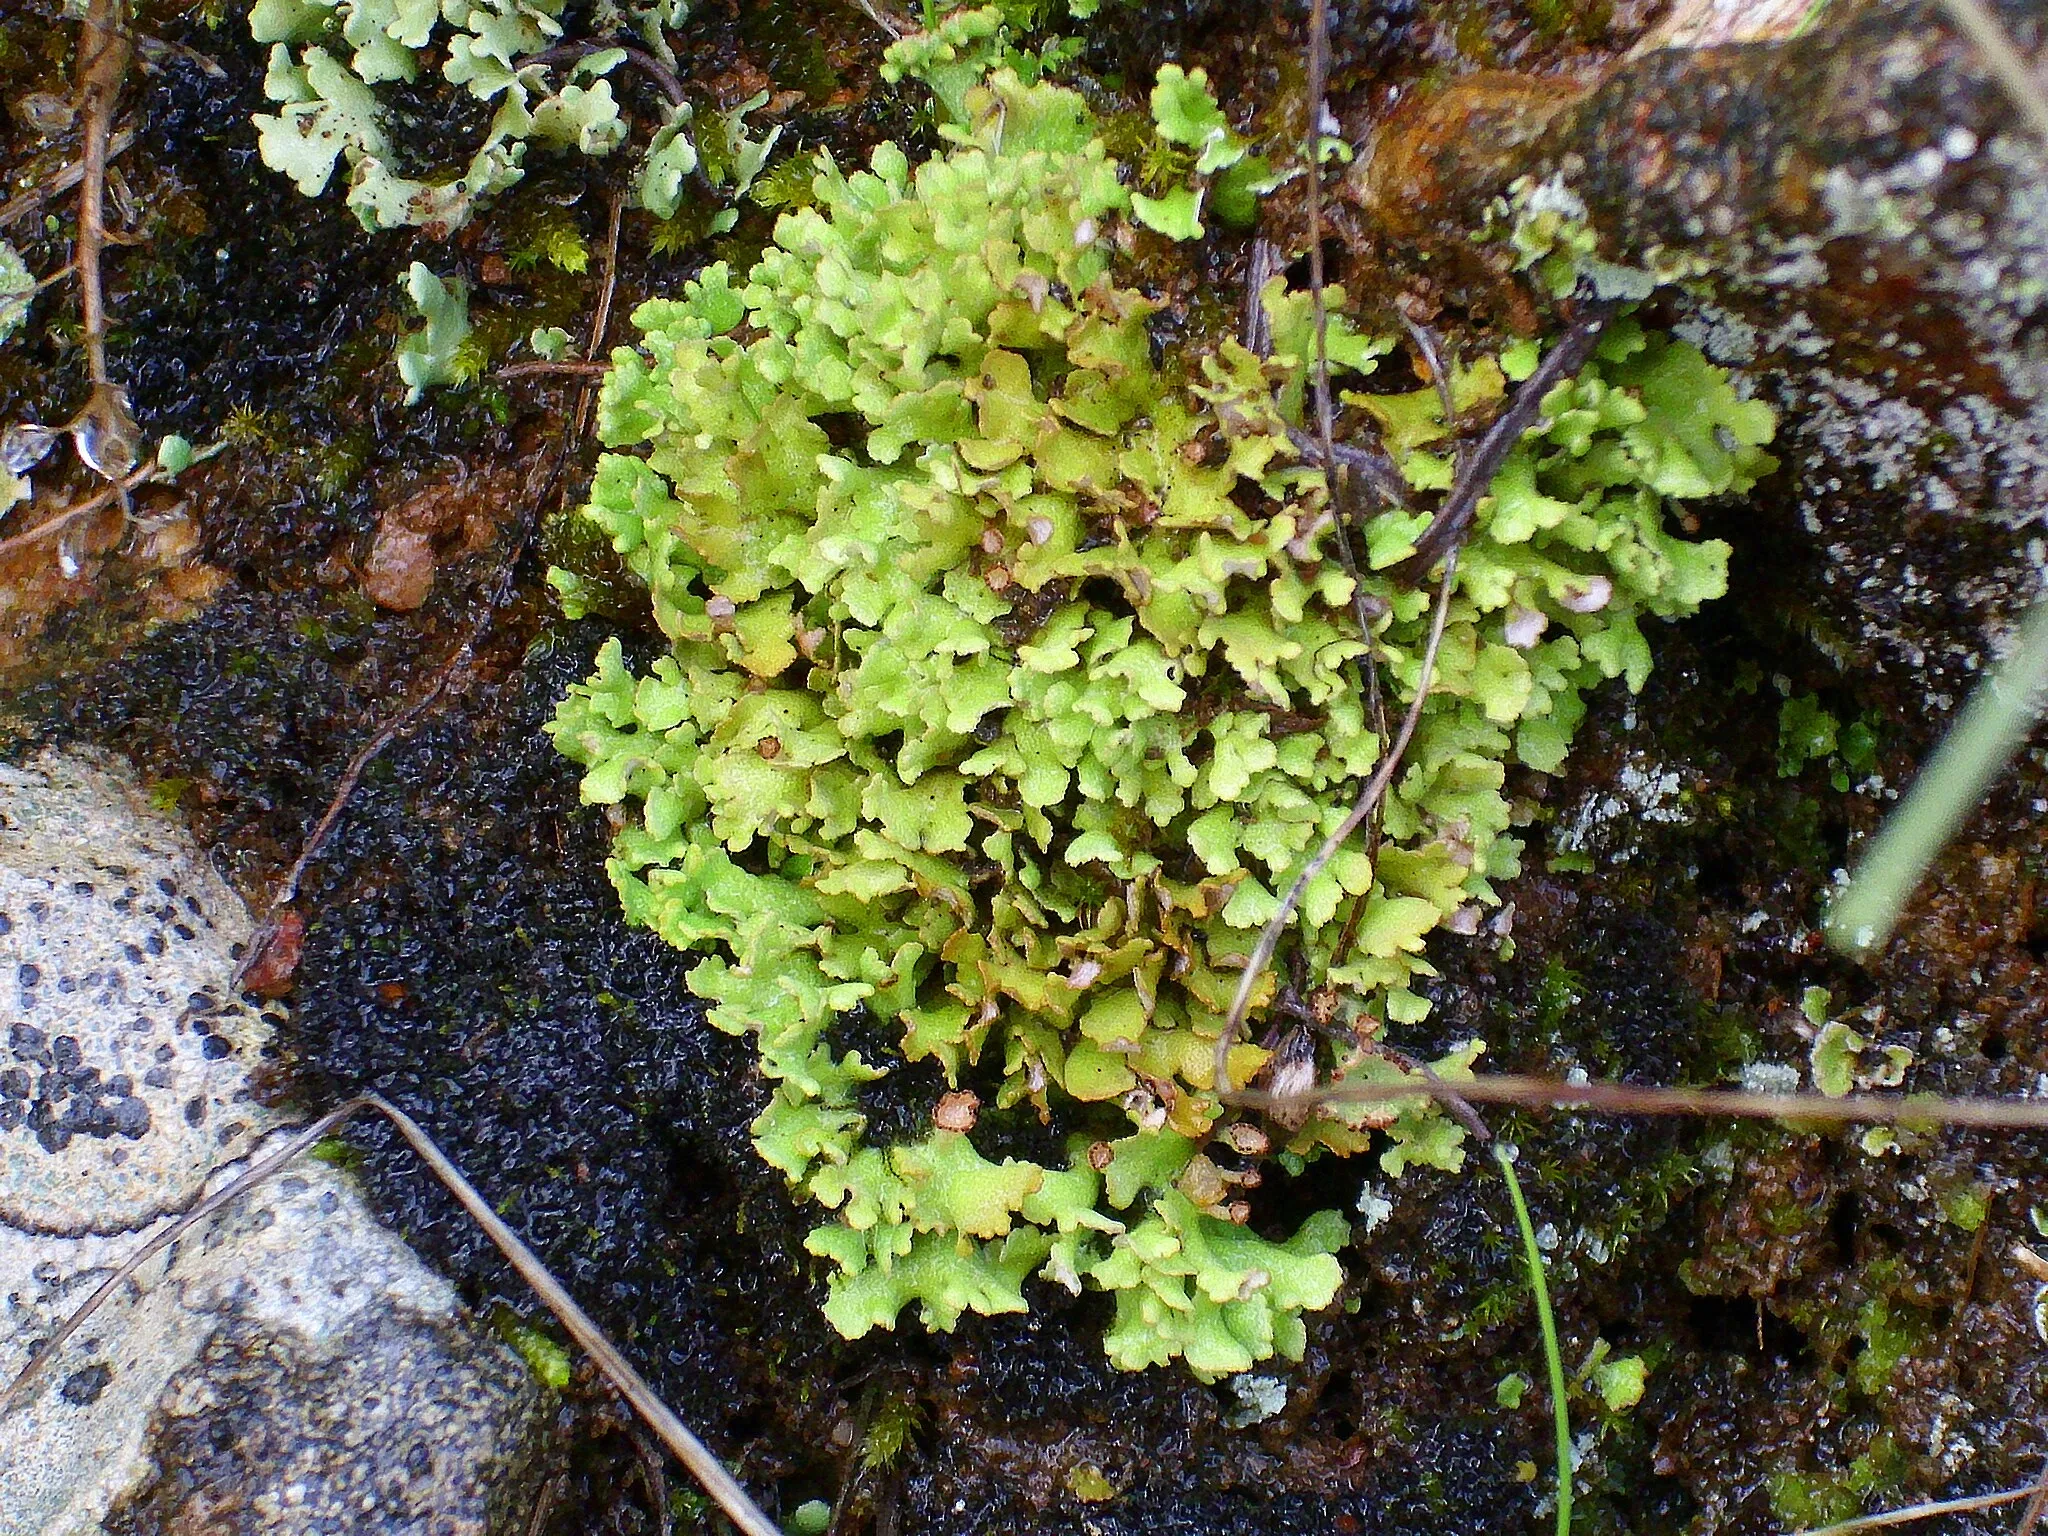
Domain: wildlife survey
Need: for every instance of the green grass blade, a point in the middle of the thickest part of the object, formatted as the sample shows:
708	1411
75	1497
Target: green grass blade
1551	1357
1992	727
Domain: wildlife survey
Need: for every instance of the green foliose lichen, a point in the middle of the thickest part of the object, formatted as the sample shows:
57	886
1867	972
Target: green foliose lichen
1012	673
329	59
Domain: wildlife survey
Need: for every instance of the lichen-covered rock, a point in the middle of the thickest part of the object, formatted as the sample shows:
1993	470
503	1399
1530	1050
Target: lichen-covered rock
1860	217
288	1365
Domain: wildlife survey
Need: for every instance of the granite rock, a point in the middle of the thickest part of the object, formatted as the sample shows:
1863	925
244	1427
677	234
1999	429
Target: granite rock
288	1365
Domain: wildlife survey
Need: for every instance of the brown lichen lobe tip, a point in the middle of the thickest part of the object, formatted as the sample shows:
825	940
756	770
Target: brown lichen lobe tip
956	1111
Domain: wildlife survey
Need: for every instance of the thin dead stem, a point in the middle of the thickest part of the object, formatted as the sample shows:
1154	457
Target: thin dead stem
20	207
1453	520
114	490
104	55
2008	66
705	1467
444	677
1367	802
288	891
601	321
2037	1500
1915	1512
666	79
1373	463
895	26
568	368
1336	476
458	660
1605	1098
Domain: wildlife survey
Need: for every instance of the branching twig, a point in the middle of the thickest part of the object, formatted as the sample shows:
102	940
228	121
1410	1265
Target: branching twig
2037	1500
288	890
894	26
1373	463
103	66
600	322
1368	801
691	1451
568	53
116	490
31	201
1427	343
267	929
1257	325
1335	466
1601	1098
1453	519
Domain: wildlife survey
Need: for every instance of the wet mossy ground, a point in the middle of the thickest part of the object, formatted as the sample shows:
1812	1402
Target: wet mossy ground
1826	1328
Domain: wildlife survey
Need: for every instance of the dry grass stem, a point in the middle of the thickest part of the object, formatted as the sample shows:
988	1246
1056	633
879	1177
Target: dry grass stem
2008	66
601	320
1453	520
115	490
706	1468
567	368
18	208
1915	1512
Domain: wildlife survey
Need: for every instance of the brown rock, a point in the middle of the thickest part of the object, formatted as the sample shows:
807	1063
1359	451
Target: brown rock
444	519
276	959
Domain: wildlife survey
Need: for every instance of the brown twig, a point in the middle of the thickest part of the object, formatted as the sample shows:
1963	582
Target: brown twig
601	321
1373	463
494	598
288	890
657	1484
1255	325
18	208
716	1481
1367	802
668	80
1336	467
2037	1501
103	55
1603	1098
1460	1107
116	490
1431	348
1453	519
544	1506
895	26
567	368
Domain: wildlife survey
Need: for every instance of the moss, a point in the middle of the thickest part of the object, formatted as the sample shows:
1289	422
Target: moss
1807	1500
1890	1330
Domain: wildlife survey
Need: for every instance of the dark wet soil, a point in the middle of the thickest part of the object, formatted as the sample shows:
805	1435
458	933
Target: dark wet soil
1824	1328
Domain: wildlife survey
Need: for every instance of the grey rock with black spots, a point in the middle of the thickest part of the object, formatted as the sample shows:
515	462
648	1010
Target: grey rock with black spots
288	1365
